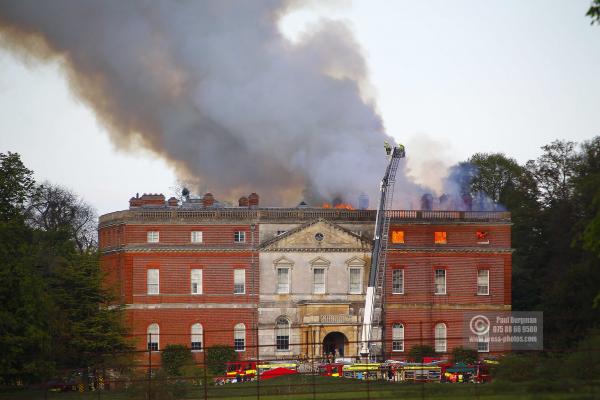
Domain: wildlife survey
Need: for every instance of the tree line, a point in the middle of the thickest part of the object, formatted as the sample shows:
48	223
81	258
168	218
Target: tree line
53	308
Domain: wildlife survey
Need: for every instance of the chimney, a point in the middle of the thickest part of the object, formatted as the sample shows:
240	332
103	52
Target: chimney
253	200
427	202
208	200
444	201
173	202
243	201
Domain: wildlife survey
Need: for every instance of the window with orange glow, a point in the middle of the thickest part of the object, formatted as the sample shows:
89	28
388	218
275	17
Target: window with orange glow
440	238
397	236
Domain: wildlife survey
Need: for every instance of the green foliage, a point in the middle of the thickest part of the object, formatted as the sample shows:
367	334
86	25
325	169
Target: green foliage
53	309
16	186
217	356
518	368
417	353
594	12
174	358
467	356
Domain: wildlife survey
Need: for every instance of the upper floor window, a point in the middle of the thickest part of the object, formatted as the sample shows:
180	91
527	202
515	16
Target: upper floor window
282	333
196	236
153	332
397	237
397	337
483	281
152	236
440	281
152	281
483	343
319	280
239	281
196	281
398	281
440	238
440	337
355	280
239	236
482	237
283	280
239	337
196	337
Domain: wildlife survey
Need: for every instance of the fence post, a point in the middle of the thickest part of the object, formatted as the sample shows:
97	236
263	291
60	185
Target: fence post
149	366
205	366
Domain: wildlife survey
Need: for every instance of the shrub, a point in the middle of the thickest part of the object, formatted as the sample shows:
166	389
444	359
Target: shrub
467	356
217	356
174	358
417	353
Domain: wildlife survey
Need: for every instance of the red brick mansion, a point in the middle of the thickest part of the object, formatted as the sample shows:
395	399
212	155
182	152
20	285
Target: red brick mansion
291	281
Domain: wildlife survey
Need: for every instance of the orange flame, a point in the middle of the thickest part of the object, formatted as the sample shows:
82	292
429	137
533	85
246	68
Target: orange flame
343	206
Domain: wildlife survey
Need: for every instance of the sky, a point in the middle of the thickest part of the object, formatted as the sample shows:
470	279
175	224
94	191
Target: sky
451	78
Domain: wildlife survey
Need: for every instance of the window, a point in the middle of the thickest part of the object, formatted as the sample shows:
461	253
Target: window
239	281
483	343
196	337
239	237
239	337
483	281
153	337
355	280
397	281
152	281
397	237
196	236
196	280
440	238
282	333
482	237
440	337
283	280
397	337
319	280
440	281
152	236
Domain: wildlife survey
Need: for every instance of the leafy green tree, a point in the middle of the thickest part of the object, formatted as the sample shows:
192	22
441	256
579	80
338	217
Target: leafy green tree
16	185
419	352
594	12
174	358
467	356
217	356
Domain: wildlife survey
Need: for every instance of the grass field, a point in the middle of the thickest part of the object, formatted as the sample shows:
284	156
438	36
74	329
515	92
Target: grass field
309	387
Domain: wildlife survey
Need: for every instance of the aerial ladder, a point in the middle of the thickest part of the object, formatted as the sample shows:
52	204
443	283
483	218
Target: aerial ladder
373	312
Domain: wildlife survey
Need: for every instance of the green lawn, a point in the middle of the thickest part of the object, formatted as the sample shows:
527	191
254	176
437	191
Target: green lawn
308	387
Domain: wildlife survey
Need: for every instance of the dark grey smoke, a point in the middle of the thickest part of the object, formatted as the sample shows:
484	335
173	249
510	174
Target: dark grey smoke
215	88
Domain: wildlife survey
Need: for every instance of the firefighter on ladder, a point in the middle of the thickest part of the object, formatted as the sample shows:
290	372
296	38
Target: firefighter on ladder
389	148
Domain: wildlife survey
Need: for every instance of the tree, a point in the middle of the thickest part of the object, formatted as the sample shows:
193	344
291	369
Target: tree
16	185
217	356
418	353
174	358
594	12
56	209
467	356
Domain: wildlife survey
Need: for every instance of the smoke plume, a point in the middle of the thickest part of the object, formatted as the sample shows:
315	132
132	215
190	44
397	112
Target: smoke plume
215	88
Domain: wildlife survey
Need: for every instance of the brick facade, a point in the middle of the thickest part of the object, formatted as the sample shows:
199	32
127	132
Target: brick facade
474	241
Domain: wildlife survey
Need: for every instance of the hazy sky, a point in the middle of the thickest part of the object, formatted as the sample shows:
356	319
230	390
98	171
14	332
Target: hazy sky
451	78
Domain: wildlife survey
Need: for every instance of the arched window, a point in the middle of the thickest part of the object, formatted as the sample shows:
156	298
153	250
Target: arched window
282	333
239	337
397	337
440	337
153	337
196	337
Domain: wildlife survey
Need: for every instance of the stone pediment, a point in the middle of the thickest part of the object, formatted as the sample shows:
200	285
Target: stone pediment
318	235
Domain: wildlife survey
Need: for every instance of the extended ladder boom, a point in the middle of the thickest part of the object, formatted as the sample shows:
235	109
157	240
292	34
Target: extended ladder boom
377	272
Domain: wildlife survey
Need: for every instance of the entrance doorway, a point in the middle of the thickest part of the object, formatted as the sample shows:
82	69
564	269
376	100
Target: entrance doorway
335	343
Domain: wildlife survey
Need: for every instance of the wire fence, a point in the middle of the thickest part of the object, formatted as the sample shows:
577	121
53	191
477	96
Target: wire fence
282	369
